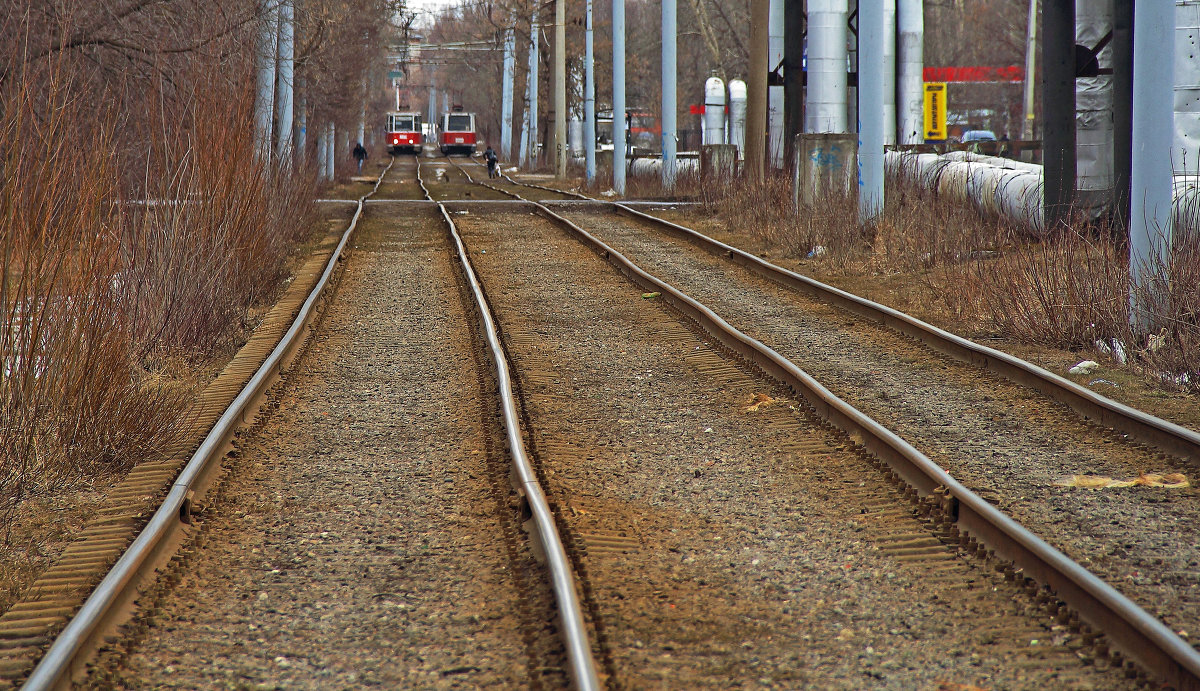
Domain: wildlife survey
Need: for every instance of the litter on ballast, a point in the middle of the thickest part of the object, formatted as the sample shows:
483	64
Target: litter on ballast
1168	480
1084	367
758	400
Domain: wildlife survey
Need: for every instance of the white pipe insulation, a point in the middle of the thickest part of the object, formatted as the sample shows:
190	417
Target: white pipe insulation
911	26
1185	151
825	102
714	111
737	115
1094	176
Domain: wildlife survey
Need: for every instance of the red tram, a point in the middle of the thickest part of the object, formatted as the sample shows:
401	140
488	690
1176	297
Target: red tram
457	134
404	133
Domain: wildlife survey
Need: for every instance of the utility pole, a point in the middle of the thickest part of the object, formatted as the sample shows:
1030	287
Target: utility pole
1058	110
506	94
669	112
756	97
534	36
264	93
560	88
1150	226
871	48
589	98
618	100
284	81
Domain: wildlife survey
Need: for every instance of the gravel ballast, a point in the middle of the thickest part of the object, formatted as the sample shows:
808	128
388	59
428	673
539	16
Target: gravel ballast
1009	444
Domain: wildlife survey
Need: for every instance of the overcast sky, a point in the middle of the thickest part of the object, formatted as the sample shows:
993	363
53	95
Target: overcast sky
424	8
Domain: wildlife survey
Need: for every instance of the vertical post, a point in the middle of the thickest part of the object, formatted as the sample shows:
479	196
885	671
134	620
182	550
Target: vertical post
1030	69
331	158
534	39
284	79
910	24
301	134
756	97
506	93
362	110
669	110
589	98
1058	110
1122	82
1150	230
560	88
888	91
870	109
618	99
775	47
793	72
433	121
322	153
264	93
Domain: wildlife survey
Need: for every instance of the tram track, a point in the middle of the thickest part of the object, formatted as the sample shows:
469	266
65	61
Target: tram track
714	540
665	513
1131	642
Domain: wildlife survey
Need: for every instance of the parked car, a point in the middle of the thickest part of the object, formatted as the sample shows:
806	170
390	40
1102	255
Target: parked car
978	136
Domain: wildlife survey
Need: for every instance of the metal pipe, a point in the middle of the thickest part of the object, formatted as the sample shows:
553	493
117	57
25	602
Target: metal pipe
826	99
737	115
1093	110
911	27
889	72
284	79
618	99
506	93
871	47
1058	109
1122	81
589	98
775	46
560	88
1150	228
264	93
1030	73
1185	152
793	73
756	96
669	111
714	111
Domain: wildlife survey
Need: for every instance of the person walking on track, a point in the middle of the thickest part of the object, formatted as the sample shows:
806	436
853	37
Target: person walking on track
492	161
360	154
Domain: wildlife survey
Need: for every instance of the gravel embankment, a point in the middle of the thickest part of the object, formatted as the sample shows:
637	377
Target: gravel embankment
721	547
368	541
1008	443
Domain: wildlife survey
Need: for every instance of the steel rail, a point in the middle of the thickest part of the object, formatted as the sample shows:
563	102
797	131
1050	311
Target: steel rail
1143	426
56	665
574	629
1130	629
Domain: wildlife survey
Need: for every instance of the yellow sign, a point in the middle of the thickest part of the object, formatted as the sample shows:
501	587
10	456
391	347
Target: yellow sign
935	110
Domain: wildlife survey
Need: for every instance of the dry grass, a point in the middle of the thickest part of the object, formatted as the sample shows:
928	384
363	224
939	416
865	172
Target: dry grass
1069	290
112	298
